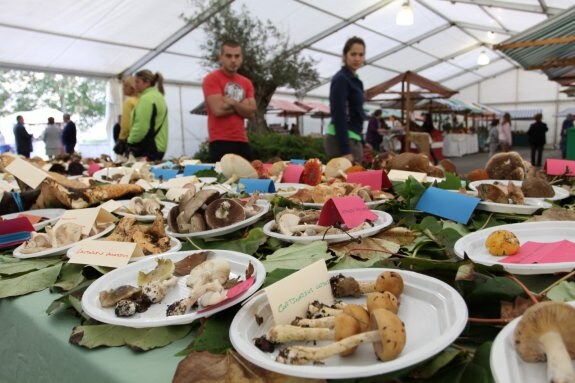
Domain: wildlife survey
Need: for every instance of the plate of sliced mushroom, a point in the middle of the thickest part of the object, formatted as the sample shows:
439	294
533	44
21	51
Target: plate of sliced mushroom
206	214
143	209
58	241
294	225
173	289
377	314
536	346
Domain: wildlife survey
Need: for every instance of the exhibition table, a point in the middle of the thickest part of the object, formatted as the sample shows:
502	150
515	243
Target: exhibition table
458	145
35	348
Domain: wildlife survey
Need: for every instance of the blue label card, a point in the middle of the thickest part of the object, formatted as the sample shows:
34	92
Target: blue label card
446	204
166	174
256	185
190	170
297	162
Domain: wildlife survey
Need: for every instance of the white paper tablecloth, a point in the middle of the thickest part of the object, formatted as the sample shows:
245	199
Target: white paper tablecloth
457	145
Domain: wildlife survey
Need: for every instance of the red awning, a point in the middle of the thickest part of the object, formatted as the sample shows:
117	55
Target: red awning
286	107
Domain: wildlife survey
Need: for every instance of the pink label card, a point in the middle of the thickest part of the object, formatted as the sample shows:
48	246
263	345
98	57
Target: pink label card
351	211
292	174
93	168
557	167
376	179
538	252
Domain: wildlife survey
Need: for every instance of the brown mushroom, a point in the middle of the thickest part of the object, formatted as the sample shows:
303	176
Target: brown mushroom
537	187
354	310
189	205
388	338
492	193
342	326
385	300
391	281
224	212
546	332
109	298
506	166
515	194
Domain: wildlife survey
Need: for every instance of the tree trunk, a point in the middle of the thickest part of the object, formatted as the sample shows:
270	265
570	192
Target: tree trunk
263	96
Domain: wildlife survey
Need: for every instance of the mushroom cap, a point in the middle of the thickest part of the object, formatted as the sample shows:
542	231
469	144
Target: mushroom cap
477	175
346	326
385	300
337	165
413	162
277	168
234	165
224	212
492	193
389	281
286	222
189	205
197	223
506	166
537	187
360	314
391	333
539	319
172	219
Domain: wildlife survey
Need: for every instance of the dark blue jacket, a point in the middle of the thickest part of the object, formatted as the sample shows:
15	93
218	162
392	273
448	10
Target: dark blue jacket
69	134
346	105
23	140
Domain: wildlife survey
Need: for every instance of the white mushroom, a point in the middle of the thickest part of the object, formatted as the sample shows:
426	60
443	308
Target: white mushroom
157	290
235	167
336	167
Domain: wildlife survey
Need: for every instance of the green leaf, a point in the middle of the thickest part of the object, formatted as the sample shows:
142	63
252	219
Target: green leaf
18	266
141	339
479	369
70	298
365	253
71	276
276	275
27	283
440	361
451	182
248	244
213	334
297	256
563	292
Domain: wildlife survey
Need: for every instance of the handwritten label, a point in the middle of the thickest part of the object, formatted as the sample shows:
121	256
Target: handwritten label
291	296
105	253
351	211
376	179
402	175
86	218
26	172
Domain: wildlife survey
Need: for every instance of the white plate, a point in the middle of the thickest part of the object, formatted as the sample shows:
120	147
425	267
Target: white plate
155	316
51	215
506	364
265	206
148	217
109	172
58	250
473	245
368	204
530	207
175	245
433	312
383	220
560	193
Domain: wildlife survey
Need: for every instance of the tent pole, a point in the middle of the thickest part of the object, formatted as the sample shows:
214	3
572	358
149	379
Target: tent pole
408	118
182	121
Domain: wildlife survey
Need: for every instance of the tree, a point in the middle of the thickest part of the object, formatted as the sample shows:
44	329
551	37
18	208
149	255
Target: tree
270	60
24	90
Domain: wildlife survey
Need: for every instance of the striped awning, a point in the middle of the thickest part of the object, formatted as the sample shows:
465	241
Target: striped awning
565	112
524	114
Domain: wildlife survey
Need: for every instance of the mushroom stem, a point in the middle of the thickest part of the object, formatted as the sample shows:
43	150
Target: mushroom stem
559	366
284	333
231	180
302	354
322	322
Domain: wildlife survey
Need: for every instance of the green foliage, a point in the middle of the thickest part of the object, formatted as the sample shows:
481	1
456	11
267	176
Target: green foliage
269	145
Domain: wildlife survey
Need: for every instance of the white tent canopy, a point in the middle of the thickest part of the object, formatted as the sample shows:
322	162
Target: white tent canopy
109	38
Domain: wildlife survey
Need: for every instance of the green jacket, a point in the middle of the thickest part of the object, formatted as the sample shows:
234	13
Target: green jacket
151	111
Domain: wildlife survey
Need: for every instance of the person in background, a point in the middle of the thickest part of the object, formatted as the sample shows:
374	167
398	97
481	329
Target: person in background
148	136
23	139
69	134
375	130
229	99
427	125
493	137
294	130
505	133
130	101
537	136
51	139
567	123
116	129
346	97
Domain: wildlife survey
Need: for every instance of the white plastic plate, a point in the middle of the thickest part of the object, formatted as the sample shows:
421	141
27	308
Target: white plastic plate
531	206
560	193
433	312
375	203
155	316
51	216
473	245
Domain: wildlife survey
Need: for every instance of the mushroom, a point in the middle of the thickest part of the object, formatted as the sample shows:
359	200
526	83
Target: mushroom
492	193
164	270
506	166
515	194
157	290
224	212
235	167
343	286
375	300
190	203
388	338
336	167
354	310
537	187
277	171
545	332
109	298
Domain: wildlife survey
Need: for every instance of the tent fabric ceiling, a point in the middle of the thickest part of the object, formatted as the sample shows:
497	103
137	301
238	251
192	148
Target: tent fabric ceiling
108	38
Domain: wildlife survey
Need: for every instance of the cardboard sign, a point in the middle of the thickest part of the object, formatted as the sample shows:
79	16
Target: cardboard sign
292	174
250	186
402	175
190	170
290	296
165	174
376	179
446	204
179	182
26	172
538	252
557	167
111	205
15	231
351	211
105	253
86	218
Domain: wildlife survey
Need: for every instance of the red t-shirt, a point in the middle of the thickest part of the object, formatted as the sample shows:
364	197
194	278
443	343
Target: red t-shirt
238	87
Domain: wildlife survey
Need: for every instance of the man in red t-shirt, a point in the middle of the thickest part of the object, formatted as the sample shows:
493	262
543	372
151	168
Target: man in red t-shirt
229	99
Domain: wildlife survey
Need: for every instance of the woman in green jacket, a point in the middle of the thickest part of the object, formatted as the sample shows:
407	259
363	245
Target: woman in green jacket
149	130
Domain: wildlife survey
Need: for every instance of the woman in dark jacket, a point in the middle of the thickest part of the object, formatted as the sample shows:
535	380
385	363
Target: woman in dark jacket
536	136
